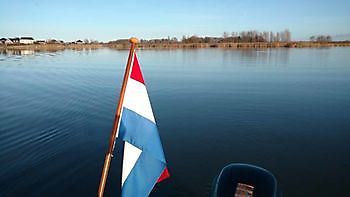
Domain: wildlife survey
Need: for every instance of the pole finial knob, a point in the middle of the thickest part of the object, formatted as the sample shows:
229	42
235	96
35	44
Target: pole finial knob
134	40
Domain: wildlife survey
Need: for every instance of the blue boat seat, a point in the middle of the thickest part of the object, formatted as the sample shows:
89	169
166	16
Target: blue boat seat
245	180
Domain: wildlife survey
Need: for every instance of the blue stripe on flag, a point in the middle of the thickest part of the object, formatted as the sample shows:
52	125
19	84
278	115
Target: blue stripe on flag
142	133
143	176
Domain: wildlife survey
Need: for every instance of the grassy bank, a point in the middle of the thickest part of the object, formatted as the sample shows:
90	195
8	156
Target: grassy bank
55	47
51	47
244	45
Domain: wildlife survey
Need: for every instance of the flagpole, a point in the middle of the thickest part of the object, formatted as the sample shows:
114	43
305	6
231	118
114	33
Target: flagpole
109	153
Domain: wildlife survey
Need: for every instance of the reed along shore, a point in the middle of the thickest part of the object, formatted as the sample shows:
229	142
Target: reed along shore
179	45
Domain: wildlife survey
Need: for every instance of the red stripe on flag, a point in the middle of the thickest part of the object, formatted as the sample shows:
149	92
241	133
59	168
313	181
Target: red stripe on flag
164	175
136	71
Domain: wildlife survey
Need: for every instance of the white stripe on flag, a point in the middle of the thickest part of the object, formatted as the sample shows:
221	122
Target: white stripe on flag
136	99
131	155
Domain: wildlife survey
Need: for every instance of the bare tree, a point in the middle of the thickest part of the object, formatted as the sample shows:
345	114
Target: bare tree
312	38
321	38
234	34
94	41
225	34
271	36
288	35
243	36
265	36
174	39
285	36
278	37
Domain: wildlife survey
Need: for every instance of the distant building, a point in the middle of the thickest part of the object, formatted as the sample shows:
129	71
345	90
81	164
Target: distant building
2	40
14	40
52	41
79	42
26	40
40	42
8	41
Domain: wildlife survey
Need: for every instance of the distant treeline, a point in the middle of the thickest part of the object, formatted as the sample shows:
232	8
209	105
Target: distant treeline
234	37
321	38
244	39
251	36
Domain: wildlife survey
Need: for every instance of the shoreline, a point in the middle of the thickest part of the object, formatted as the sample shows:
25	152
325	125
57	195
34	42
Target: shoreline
298	44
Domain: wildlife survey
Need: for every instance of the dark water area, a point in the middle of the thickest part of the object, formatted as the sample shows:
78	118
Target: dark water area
287	110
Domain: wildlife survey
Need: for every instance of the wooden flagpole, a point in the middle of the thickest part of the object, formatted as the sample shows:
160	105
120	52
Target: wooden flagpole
109	153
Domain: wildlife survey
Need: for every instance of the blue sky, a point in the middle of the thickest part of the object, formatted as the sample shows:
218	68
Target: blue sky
109	20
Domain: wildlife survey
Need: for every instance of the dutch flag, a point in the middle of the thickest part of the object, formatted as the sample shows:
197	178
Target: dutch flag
144	163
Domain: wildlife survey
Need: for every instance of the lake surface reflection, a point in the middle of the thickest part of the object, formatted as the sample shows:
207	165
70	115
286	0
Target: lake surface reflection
286	110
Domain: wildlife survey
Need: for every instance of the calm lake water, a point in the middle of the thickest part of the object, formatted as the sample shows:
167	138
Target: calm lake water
287	110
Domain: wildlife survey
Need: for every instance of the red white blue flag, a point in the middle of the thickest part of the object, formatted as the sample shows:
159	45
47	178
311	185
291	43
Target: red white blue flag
144	163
